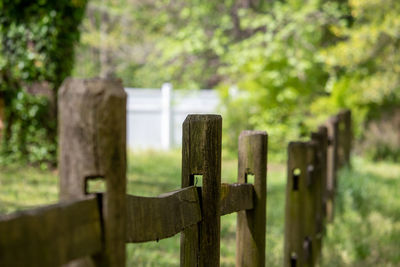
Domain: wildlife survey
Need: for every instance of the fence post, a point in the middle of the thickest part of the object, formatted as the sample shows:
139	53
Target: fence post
251	224
300	216
92	130
311	205
332	165
166	116
347	135
341	141
201	155
320	138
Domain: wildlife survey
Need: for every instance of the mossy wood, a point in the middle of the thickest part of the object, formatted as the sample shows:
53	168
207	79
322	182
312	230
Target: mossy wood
201	155
332	165
320	139
52	235
300	217
236	197
92	120
346	136
251	224
155	218
312	203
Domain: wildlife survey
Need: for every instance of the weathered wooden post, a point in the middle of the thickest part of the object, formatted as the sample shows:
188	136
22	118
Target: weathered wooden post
201	155
332	165
320	139
300	219
347	135
92	130
340	141
311	204
251	224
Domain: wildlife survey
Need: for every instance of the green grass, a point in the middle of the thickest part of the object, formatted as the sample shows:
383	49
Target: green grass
26	187
366	230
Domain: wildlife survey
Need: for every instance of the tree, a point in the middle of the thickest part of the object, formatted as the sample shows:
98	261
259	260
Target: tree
292	62
364	66
117	38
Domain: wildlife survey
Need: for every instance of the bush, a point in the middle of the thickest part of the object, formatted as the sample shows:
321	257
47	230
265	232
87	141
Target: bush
37	46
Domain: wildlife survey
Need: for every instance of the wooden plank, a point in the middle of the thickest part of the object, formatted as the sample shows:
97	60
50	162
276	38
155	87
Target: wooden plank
92	120
251	224
201	155
236	197
52	235
155	218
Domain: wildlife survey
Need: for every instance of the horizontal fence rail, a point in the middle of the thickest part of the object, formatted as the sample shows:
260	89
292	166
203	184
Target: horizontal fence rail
152	219
155	218
52	235
148	219
92	229
236	197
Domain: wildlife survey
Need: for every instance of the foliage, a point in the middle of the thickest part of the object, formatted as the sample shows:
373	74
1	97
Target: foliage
364	66
37	45
258	48
293	62
117	37
277	70
365	200
178	41
30	135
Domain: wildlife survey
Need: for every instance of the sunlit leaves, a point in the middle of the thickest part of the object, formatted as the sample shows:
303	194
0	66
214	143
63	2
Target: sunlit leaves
365	65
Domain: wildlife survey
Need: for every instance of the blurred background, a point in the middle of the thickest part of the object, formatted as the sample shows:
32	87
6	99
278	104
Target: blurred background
282	66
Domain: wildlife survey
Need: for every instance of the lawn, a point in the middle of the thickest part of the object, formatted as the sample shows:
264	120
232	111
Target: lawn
366	230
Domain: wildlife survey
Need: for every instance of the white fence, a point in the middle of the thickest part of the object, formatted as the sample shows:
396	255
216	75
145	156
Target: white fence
155	116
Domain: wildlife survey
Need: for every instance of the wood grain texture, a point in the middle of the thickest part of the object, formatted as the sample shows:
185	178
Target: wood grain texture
50	236
201	155
347	134
311	204
320	139
341	139
92	143
300	205
251	224
236	197
332	165
155	218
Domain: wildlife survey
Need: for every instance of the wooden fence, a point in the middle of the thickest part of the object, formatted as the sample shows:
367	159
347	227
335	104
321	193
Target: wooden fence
311	186
87	229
